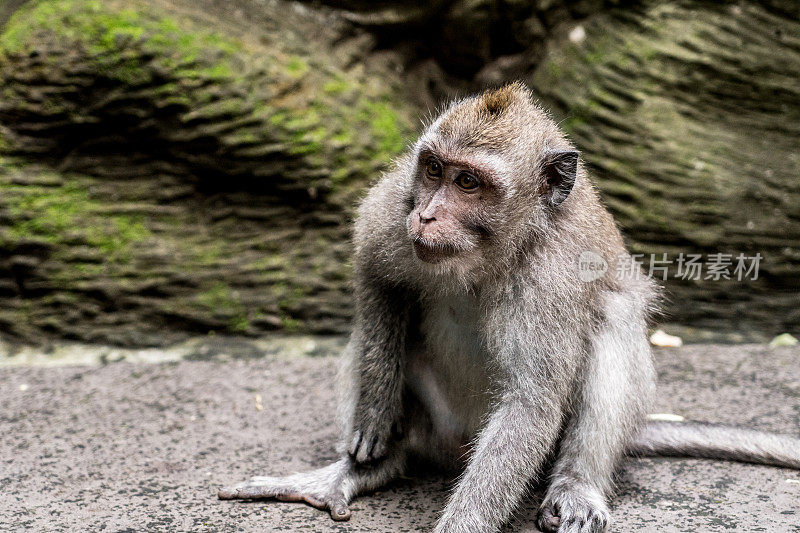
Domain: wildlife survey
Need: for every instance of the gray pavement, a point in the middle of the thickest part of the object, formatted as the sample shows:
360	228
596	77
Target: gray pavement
142	446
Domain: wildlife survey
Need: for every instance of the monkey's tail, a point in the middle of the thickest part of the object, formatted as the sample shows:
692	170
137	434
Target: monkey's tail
716	441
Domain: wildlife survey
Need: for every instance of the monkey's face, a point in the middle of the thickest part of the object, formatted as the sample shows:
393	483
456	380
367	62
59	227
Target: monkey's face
452	203
490	173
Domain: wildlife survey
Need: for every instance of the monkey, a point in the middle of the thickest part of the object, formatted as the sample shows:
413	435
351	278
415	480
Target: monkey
476	344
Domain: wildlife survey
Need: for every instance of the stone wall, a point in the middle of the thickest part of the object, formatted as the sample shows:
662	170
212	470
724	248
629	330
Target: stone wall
174	167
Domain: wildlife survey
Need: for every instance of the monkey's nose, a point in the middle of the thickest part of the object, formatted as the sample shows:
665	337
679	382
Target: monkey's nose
424	220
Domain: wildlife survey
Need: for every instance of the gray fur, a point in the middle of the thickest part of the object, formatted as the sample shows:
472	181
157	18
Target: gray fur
501	357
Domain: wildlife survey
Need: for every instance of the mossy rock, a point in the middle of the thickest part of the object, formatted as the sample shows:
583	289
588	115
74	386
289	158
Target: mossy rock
183	166
137	82
193	171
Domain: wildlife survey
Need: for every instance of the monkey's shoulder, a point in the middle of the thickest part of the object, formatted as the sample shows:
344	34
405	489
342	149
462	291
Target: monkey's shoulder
384	204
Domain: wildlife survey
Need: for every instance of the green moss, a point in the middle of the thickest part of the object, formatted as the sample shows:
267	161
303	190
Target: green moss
118	234
222	300
344	137
290	324
308	142
279	118
385	125
335	127
554	69
571	124
107	32
296	66
240	324
270	262
336	86
200	254
337	119
67	212
217	71
88	269
302	120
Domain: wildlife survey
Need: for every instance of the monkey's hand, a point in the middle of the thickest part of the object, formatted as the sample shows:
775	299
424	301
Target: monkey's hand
372	436
573	510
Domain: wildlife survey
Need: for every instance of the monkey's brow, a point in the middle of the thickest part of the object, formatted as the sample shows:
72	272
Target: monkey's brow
479	167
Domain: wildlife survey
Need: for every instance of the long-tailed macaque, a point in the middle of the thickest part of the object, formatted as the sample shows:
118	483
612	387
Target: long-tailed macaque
478	344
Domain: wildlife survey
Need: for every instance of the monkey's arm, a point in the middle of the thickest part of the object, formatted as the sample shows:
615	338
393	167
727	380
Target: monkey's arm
614	393
524	424
378	340
508	453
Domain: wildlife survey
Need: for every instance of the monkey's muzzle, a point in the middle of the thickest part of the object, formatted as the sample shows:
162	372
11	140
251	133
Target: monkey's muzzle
430	252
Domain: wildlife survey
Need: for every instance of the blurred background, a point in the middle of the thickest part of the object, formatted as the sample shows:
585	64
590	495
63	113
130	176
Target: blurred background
171	168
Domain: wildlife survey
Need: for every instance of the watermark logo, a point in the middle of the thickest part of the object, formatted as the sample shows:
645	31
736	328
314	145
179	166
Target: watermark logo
591	266
695	267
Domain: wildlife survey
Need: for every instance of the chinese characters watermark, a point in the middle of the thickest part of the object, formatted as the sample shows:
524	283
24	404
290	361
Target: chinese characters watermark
684	266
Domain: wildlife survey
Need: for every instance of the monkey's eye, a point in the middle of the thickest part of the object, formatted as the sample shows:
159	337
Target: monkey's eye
467	181
433	168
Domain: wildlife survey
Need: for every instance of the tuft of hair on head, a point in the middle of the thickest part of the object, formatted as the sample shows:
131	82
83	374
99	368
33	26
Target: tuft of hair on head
496	101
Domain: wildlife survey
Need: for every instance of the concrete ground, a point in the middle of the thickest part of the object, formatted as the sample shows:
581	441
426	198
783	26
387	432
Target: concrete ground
143	446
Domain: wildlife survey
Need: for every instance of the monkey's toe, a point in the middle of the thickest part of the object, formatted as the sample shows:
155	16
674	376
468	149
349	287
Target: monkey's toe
269	488
340	511
226	493
248	491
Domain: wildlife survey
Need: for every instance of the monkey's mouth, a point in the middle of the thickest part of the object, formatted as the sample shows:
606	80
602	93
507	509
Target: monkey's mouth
433	252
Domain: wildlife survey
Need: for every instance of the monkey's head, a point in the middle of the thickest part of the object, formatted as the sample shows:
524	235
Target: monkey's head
488	173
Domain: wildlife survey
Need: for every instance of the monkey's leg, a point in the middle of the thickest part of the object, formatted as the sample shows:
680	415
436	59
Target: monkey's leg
616	388
333	487
330	488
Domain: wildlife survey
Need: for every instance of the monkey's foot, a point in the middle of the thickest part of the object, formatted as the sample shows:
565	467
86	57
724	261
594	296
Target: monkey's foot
320	489
573	510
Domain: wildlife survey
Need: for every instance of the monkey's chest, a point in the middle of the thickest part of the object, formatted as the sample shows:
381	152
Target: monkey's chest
455	353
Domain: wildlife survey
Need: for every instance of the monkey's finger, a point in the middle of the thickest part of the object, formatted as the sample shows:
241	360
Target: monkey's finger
355	444
548	520
339	510
378	449
364	454
596	524
573	525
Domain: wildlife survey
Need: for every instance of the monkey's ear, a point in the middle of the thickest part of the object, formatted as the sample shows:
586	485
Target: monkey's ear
560	171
